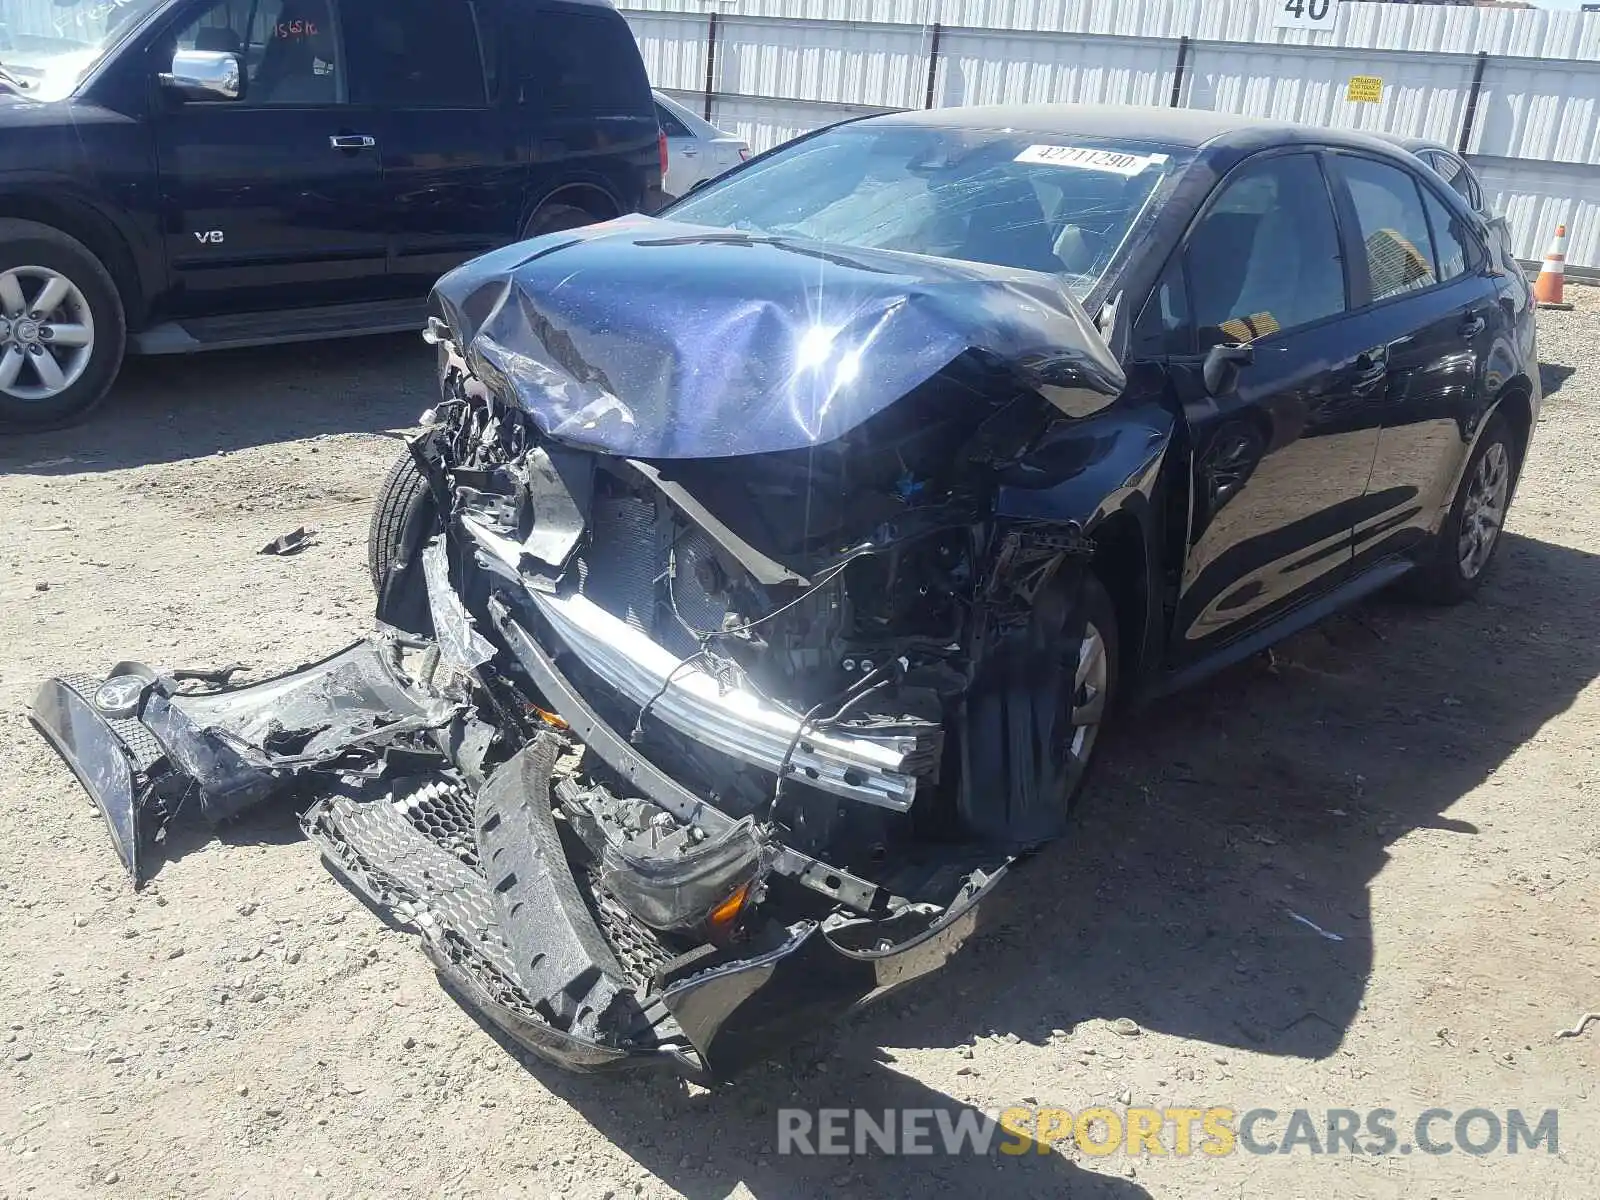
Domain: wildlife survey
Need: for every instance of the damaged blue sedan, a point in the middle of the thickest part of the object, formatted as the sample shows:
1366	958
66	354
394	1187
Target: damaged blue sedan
759	585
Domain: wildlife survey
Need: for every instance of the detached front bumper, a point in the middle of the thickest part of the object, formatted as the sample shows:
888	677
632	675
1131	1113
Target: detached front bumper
487	881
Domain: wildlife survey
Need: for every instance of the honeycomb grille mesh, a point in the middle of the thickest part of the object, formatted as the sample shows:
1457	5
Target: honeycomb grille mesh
442	812
637	947
130	731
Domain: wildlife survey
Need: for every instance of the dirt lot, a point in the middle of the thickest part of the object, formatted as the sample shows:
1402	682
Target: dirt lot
1421	784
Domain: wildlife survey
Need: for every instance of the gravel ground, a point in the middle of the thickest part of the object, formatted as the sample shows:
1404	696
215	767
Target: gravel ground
1420	784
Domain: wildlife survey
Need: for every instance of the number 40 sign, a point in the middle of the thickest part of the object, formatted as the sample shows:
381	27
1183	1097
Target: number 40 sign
1306	14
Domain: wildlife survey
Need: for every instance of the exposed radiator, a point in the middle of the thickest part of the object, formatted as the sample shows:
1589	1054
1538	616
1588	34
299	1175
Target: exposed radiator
624	571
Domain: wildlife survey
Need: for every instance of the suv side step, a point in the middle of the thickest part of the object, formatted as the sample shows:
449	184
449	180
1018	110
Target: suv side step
276	328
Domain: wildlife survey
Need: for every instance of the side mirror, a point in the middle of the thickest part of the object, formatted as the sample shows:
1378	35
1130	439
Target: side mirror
1222	365
205	75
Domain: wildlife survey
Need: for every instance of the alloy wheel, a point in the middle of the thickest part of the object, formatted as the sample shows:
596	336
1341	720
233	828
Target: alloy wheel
46	333
1484	513
1089	683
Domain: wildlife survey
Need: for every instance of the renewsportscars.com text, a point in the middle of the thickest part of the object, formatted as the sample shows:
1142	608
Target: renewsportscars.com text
1211	1132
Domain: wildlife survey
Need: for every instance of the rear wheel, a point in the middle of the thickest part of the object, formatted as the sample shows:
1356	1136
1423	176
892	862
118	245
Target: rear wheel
1465	546
62	328
553	218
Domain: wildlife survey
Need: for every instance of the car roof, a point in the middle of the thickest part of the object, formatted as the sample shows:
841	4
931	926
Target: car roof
1187	128
1415	144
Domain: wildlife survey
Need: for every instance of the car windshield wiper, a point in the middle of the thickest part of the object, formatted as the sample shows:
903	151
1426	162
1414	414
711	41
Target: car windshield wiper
7	77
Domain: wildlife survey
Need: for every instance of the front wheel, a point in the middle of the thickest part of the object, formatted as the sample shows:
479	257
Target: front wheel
62	328
404	518
1458	560
1033	719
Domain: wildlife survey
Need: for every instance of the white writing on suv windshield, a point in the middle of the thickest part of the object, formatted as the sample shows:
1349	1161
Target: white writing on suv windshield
84	17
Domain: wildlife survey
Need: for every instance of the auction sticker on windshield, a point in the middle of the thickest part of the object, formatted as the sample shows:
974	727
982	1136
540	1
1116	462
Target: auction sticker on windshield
1086	159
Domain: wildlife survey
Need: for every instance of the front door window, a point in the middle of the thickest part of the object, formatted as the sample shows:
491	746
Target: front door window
290	48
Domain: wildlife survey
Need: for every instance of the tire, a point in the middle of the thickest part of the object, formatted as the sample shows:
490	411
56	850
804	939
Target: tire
403	518
1446	574
33	257
553	218
1094	614
1026	754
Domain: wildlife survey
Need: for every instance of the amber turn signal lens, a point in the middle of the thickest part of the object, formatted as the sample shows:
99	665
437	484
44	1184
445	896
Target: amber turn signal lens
725	914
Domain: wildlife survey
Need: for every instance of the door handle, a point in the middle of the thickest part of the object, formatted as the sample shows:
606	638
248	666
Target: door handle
1473	326
1374	361
352	141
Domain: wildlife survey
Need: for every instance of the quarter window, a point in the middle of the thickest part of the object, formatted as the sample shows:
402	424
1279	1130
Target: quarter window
579	61
1163	327
1393	227
1265	256
1456	173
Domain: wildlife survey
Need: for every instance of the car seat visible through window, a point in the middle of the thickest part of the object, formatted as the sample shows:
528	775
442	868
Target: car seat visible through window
1008	228
297	66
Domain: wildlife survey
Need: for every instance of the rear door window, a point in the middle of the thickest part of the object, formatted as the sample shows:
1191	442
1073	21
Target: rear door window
414	54
1393	227
1265	256
1453	241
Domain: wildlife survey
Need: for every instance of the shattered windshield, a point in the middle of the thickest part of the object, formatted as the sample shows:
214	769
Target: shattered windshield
1039	202
47	46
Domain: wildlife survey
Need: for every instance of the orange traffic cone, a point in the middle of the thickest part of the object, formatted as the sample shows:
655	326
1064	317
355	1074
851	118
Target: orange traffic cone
1550	288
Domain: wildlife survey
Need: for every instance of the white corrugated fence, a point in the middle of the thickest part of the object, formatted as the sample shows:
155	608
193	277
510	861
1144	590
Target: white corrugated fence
781	67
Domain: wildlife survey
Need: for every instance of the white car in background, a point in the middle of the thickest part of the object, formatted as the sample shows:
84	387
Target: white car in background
697	151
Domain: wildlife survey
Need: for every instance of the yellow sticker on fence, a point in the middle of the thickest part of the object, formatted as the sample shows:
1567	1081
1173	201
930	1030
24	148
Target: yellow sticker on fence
1366	89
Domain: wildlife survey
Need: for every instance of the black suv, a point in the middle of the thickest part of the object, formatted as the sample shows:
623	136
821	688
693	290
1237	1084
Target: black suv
181	175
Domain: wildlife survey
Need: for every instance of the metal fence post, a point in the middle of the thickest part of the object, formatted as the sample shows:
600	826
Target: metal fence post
711	62
1471	114
933	64
1181	70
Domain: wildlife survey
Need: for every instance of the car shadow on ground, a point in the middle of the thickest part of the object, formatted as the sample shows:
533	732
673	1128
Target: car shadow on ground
1553	375
704	1144
170	408
1221	822
1234	832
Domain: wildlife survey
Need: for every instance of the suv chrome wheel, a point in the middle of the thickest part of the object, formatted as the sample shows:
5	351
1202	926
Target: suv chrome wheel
46	333
1485	510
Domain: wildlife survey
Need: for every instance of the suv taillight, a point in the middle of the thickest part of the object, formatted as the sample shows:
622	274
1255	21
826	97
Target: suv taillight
661	151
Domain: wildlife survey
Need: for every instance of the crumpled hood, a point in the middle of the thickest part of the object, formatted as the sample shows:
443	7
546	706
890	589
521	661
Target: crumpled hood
654	339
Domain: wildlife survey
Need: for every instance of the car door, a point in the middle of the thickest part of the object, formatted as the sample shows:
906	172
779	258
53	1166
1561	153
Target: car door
267	201
1424	291
453	169
1280	459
